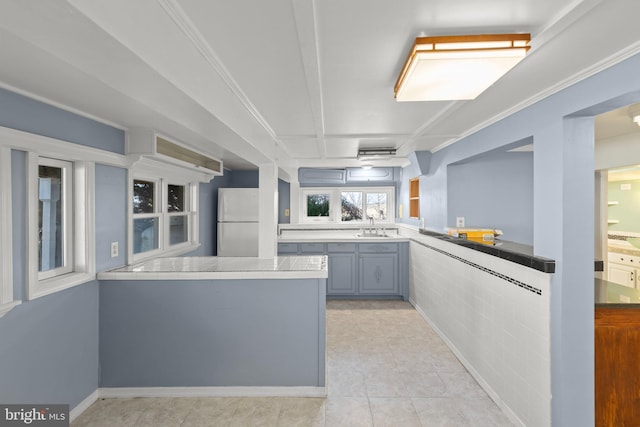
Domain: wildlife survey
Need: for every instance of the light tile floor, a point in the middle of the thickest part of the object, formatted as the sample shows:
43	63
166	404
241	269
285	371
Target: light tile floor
386	367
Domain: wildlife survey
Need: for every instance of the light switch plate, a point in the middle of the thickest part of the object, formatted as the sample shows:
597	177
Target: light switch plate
460	222
114	249
286	212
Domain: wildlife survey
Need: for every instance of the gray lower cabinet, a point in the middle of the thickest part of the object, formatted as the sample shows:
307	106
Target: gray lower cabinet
378	274
360	269
342	269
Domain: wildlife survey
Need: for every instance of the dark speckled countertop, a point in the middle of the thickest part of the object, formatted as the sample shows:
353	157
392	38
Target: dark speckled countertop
510	251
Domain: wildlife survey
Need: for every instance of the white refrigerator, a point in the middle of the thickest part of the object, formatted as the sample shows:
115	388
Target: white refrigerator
238	222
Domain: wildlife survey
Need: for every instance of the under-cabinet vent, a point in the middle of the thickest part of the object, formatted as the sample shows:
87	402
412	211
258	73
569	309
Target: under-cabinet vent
145	143
178	152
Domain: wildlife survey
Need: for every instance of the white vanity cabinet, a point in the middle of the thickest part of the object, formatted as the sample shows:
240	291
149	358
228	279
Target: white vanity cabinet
623	269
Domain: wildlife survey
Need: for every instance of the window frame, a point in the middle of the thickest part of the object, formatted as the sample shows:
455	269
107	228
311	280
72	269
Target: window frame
82	233
322	219
7	302
66	199
335	209
163	176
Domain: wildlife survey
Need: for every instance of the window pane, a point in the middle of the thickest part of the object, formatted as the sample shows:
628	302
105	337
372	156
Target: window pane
351	205
318	205
145	235
143	195
175	199
178	229
50	218
377	205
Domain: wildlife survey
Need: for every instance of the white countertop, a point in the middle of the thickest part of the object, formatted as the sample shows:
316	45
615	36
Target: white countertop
313	236
199	268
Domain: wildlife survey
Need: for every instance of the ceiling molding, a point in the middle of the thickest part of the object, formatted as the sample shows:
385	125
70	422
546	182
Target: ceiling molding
181	19
305	16
61	106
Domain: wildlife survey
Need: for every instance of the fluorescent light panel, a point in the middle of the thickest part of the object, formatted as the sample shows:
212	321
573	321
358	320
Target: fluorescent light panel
458	67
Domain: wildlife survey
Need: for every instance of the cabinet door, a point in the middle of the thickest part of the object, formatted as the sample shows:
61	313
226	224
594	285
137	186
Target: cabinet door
287	248
312	248
622	275
342	274
378	274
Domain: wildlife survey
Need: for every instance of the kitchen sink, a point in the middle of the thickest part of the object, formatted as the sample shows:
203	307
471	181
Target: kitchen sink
372	235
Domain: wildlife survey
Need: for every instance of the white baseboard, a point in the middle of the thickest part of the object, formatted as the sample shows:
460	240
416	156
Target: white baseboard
84	405
485	386
126	392
130	392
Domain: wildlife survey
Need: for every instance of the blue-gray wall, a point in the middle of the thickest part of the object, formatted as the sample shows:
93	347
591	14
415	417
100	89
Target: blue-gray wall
26	114
49	346
494	191
111	216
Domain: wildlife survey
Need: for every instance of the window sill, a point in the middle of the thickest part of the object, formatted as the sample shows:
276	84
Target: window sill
5	308
59	283
181	250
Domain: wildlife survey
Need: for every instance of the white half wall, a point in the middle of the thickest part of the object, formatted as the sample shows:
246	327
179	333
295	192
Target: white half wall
494	315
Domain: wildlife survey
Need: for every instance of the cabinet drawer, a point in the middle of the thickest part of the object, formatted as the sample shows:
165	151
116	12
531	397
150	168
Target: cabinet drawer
378	247
287	248
341	247
312	248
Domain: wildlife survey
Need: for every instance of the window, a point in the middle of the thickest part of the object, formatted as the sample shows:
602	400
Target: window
164	217
60	224
55	215
356	204
146	216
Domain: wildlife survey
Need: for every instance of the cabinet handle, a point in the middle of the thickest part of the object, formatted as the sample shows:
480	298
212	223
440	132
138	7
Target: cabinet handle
632	276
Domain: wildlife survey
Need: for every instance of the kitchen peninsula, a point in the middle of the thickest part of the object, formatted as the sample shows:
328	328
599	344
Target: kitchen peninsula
226	326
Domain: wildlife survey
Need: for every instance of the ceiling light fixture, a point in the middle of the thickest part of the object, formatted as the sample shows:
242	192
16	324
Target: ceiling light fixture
448	68
366	166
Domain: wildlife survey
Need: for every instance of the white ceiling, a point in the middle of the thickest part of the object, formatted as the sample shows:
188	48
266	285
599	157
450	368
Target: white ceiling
299	82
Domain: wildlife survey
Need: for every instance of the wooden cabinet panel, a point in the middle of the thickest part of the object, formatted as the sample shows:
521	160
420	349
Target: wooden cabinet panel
617	367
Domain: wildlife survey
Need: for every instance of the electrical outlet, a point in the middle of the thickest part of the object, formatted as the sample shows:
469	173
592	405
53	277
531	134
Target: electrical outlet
460	222
114	249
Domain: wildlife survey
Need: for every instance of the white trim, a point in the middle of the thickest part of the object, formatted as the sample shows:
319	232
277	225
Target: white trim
6	236
84	405
335	208
59	149
168	392
162	178
67	198
5	308
59	105
83	260
485	386
129	392
155	166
